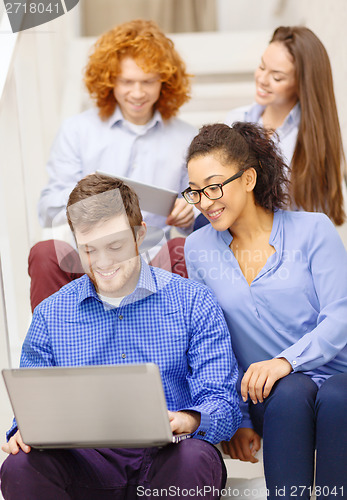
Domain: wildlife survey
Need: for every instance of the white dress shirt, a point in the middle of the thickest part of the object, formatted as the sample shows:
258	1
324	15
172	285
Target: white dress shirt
153	154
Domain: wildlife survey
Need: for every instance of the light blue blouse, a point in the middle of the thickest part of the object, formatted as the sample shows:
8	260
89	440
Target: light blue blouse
286	134
296	307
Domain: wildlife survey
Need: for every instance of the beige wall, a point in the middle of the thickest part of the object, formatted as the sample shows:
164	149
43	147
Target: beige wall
171	15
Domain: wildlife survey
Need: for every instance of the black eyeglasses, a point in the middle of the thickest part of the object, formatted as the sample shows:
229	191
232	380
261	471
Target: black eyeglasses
212	192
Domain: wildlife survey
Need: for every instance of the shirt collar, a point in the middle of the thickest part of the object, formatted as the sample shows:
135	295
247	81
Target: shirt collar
146	286
276	240
292	120
86	289
253	114
275	236
118	118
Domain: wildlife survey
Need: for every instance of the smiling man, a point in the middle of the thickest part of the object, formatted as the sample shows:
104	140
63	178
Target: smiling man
138	82
111	259
124	311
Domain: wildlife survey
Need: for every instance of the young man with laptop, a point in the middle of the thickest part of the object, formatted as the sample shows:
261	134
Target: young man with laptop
138	82
123	311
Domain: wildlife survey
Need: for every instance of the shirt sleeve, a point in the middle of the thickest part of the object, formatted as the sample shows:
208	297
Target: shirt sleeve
36	352
327	261
246	421
37	349
213	371
64	168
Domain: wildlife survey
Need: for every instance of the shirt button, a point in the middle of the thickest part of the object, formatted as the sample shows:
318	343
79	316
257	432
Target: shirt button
123	355
294	362
120	316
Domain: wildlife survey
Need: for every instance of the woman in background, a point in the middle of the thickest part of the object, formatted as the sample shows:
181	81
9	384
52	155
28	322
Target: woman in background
295	97
281	279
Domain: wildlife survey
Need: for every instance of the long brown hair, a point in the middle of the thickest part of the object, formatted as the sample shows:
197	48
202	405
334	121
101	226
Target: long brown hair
316	171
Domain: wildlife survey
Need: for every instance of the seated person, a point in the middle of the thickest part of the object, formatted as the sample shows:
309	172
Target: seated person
160	317
138	82
280	277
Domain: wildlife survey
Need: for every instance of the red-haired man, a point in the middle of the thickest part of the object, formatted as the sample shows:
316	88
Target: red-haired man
138	82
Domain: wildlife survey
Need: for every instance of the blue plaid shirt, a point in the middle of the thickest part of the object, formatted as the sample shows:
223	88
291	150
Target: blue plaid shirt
168	320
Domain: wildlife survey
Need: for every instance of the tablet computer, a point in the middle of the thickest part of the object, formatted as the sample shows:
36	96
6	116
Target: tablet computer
152	199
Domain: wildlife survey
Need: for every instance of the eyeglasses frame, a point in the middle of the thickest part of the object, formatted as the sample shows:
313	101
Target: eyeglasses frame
230	179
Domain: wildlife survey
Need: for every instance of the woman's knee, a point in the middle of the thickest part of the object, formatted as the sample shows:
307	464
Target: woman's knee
294	388
332	395
292	396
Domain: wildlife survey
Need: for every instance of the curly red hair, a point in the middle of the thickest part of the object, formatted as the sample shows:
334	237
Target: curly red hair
153	52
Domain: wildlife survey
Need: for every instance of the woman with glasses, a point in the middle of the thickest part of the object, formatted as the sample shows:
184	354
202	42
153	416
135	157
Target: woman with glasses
281	279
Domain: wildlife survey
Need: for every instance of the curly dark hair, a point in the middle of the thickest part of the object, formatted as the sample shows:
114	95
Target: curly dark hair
247	145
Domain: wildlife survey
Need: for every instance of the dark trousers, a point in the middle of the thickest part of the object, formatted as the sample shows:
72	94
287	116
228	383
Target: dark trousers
184	470
296	419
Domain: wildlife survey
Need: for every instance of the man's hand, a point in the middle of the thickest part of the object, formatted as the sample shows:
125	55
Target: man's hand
182	214
243	445
15	444
183	422
260	378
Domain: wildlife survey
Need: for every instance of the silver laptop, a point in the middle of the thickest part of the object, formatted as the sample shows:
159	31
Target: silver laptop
152	199
116	406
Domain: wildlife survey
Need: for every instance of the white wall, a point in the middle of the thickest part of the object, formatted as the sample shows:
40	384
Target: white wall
236	15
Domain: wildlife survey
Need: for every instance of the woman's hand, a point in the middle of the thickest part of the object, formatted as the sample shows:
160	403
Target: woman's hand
243	445
260	378
15	444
